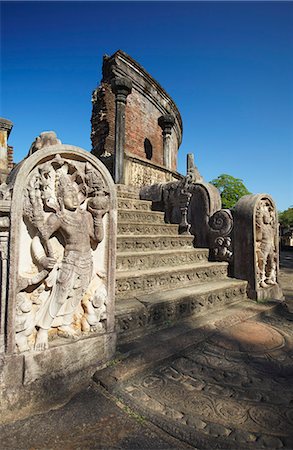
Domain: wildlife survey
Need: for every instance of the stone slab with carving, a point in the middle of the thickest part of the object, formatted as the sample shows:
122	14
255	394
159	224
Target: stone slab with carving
256	247
61	259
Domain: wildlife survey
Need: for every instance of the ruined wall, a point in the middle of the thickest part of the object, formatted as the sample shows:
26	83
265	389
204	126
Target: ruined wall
103	120
6	151
141	124
146	103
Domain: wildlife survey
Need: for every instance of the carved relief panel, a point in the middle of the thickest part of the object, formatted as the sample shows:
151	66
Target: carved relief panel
266	232
256	257
63	247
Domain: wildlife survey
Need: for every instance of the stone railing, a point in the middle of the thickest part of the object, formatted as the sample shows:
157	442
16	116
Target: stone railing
246	236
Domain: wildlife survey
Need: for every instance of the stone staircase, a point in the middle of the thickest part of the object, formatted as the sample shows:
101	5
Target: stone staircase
161	278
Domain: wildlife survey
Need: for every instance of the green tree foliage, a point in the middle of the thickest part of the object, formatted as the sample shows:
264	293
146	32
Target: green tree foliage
231	189
286	217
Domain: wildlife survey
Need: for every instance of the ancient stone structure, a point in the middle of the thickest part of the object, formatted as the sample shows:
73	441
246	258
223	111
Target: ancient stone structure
136	126
246	236
6	151
58	244
256	245
177	249
161	278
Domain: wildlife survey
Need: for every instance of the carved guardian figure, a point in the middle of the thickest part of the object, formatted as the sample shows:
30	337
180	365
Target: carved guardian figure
64	206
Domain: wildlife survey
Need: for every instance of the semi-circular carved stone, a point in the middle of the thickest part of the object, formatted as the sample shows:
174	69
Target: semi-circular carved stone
250	337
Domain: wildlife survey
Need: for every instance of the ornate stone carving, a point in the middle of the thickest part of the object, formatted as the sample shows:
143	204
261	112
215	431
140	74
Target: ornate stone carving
45	139
229	389
256	257
4	223
266	251
138	174
192	169
143	262
121	87
221	225
173	198
133	243
176	198
167	122
24	322
5	193
129	286
63	209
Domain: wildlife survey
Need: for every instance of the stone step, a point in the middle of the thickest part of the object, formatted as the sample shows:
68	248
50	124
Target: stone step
135	282
146	313
160	258
132	215
134	204
142	229
130	243
126	191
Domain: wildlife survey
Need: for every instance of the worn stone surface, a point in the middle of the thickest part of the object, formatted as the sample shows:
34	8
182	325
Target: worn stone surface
63	220
227	385
142	228
220	384
167	258
133	204
136	282
91	420
146	103
286	277
6	152
136	243
256	245
121	86
161	278
57	309
127	134
163	309
139	172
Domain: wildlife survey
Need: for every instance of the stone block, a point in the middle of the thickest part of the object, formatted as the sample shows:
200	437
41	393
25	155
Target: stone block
69	358
256	246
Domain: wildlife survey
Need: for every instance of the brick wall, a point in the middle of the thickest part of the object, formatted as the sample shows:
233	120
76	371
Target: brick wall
10	157
142	123
145	104
103	120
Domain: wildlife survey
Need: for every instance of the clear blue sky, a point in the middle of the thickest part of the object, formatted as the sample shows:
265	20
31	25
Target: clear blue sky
228	66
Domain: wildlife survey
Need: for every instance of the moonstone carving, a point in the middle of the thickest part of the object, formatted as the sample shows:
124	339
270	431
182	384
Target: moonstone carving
64	205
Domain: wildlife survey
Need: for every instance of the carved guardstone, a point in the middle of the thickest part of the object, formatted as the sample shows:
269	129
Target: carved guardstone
256	247
60	307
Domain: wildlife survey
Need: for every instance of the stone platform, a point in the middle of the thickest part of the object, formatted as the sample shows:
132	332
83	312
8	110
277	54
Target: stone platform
224	382
221	382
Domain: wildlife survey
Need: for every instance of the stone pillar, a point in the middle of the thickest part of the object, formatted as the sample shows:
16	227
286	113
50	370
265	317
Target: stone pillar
167	122
4	238
122	88
192	170
5	129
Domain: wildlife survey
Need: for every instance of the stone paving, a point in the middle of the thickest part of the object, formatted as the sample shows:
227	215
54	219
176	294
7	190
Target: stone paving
225	384
234	390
